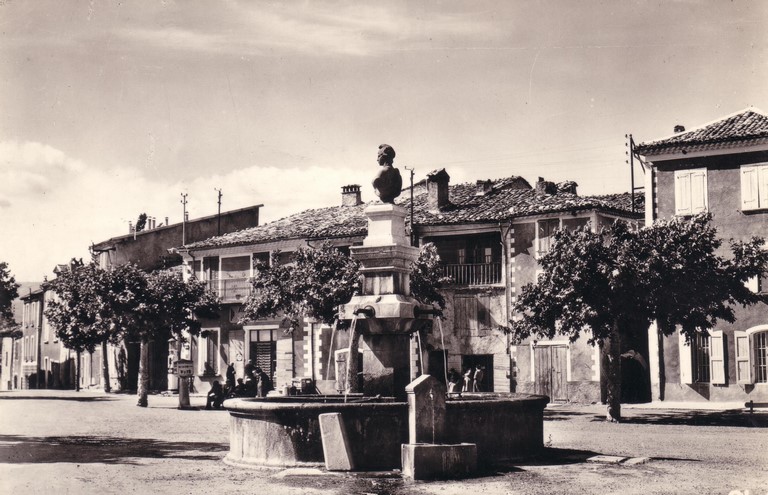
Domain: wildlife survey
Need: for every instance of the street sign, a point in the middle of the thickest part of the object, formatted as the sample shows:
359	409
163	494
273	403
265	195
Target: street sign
184	368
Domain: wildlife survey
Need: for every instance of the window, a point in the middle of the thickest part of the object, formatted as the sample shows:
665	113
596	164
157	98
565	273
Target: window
703	359
752	355
691	191
472	315
545	231
208	352
754	186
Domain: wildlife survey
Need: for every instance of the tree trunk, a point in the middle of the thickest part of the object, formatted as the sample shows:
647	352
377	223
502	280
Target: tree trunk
143	373
612	348
77	372
105	367
352	358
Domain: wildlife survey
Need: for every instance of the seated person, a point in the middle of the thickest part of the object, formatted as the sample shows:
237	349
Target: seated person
240	389
215	396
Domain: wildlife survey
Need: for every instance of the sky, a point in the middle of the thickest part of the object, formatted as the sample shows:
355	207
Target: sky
113	108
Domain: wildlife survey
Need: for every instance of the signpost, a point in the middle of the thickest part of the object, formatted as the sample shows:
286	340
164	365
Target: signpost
184	369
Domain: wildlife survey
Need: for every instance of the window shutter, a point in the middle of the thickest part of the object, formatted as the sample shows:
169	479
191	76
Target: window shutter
682	192
716	358
484	314
762	186
743	358
202	353
698	191
686	375
749	188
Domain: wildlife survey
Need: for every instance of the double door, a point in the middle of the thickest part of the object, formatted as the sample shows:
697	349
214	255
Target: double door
550	365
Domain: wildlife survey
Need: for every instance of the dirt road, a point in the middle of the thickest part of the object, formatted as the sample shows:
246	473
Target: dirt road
67	442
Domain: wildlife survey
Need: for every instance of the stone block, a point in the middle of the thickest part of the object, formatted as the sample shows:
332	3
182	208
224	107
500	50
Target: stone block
428	461
426	410
336	448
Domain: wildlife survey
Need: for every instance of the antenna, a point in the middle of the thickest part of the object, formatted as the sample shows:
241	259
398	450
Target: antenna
219	215
184	220
413	233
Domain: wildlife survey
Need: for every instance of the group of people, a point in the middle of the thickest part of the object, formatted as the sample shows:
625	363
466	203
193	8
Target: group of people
255	383
470	381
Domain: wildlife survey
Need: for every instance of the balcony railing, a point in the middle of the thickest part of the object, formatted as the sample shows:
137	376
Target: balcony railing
474	273
231	289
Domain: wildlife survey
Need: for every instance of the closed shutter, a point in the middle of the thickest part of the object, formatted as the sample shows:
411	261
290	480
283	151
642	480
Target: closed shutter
483	314
686	375
698	191
749	188
682	192
743	358
716	358
762	186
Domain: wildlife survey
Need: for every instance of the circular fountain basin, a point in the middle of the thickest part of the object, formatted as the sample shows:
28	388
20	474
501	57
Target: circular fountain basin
285	431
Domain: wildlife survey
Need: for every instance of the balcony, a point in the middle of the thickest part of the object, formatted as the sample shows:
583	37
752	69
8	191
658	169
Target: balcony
474	273
231	289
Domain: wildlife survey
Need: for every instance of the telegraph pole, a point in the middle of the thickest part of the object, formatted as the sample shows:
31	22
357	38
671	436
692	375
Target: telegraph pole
413	233
184	220
219	215
631	153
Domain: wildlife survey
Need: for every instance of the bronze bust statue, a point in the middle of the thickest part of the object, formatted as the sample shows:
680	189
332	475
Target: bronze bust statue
388	183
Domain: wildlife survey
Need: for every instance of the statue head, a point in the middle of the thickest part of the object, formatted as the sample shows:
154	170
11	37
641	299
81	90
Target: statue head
386	154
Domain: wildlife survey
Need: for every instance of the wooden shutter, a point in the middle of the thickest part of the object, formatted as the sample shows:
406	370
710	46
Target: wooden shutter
698	191
762	186
716	358
743	358
686	375
749	188
682	192
483	314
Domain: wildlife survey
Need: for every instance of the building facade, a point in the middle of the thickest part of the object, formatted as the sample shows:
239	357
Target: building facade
720	168
489	235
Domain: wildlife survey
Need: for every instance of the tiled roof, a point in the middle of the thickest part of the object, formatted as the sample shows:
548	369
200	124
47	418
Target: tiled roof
510	197
744	126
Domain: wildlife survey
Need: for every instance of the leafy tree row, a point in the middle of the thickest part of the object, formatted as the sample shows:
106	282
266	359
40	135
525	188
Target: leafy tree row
93	307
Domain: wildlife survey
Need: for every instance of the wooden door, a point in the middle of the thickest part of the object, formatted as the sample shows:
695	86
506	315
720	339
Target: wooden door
550	367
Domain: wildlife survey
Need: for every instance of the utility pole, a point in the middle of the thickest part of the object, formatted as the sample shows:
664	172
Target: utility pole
218	232
184	220
631	161
413	233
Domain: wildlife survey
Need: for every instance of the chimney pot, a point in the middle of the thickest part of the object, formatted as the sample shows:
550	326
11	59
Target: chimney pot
166	220
484	187
437	189
679	128
350	195
545	187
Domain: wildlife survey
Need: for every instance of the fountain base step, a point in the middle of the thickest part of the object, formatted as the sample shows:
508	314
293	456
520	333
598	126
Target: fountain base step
426	461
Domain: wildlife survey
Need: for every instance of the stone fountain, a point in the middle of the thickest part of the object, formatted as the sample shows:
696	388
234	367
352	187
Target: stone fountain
380	430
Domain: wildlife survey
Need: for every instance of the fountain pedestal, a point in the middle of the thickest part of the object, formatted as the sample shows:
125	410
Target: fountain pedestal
385	314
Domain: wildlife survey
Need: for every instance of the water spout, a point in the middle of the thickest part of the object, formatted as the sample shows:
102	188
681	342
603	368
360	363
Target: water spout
367	311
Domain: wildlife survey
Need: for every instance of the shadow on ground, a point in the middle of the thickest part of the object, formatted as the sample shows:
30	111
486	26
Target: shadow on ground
16	449
85	398
736	418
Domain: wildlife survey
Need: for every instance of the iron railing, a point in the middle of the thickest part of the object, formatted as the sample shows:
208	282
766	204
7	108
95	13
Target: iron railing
474	273
231	289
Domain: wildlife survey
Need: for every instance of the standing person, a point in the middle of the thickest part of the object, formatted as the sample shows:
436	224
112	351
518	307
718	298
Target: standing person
478	379
467	380
230	376
251	384
264	383
249	368
453	380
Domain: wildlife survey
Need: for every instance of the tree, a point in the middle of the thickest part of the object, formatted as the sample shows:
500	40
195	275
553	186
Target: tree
164	305
428	277
8	292
141	222
617	281
88	310
314	286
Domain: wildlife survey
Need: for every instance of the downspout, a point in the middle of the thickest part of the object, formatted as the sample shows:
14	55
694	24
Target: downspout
40	342
507	277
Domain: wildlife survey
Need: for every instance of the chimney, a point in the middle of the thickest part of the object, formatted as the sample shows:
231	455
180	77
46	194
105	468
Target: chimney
544	187
437	189
166	220
350	195
679	128
484	187
568	186
130	227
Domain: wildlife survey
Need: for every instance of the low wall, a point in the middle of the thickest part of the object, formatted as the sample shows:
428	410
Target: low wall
281	432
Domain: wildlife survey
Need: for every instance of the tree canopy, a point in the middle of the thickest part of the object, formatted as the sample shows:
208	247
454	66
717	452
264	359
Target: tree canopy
9	290
618	280
319	280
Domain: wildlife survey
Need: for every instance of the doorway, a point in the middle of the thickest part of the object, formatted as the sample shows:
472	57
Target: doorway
484	362
550	364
